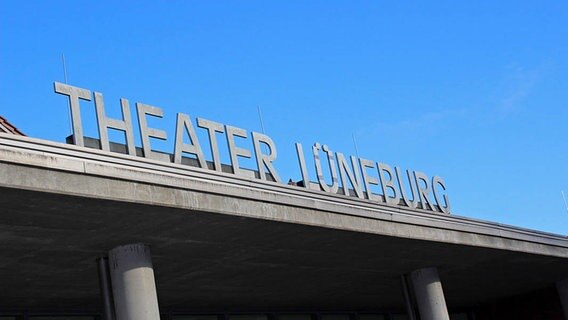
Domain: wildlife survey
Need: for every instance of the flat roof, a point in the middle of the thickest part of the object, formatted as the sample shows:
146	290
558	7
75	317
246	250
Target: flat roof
221	241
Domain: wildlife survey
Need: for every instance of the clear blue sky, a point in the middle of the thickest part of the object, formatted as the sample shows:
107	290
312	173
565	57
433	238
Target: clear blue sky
475	92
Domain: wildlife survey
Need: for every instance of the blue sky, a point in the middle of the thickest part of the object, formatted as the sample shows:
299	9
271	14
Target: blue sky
473	91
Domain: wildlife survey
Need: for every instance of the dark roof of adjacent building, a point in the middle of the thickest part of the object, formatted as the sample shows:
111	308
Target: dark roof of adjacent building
7	127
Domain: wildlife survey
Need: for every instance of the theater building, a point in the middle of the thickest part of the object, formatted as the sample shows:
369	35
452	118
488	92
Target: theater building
93	229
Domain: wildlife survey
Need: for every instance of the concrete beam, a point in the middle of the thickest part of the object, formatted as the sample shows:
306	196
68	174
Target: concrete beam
71	170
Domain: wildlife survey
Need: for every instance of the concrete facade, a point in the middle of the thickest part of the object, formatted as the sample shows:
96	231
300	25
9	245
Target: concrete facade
220	241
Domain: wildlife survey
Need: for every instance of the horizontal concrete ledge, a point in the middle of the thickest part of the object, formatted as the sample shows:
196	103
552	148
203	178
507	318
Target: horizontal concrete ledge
34	164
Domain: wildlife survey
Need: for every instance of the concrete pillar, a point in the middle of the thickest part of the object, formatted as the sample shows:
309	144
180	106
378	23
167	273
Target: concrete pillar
133	284
562	287
429	295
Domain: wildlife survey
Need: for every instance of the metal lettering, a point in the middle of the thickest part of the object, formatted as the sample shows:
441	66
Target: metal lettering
264	160
213	128
439	181
409	203
331	161
423	193
369	180
353	175
235	151
184	124
350	174
303	168
388	183
105	123
145	132
74	94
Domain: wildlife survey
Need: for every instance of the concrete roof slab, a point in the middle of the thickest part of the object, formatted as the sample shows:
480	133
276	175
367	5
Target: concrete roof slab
224	243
